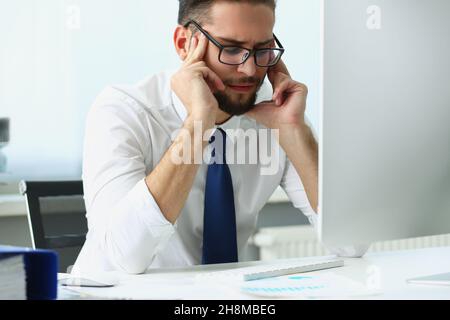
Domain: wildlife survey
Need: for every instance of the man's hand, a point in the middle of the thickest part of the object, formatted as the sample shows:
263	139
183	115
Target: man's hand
287	108
287	113
170	182
195	83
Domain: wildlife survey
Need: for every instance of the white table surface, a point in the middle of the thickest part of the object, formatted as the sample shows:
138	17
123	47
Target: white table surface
387	270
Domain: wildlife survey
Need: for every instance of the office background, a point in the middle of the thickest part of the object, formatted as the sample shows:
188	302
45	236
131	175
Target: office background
56	56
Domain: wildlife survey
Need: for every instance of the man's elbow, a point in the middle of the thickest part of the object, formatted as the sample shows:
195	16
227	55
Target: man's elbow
128	261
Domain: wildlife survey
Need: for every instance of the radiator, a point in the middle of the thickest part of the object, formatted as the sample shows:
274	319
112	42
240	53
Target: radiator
301	241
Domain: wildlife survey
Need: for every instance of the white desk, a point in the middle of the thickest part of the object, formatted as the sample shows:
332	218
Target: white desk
389	270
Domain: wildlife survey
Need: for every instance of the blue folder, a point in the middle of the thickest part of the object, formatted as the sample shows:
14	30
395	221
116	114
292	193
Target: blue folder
41	269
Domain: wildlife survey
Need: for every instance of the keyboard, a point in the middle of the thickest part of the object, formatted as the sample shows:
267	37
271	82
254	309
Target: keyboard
275	270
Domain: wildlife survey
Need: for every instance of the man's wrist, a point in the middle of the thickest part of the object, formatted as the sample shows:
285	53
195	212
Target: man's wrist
207	122
197	128
294	133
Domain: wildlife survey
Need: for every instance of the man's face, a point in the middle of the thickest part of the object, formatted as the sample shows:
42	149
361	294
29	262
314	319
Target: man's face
244	25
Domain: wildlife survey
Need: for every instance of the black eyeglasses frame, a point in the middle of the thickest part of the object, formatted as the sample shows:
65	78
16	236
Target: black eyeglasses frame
252	52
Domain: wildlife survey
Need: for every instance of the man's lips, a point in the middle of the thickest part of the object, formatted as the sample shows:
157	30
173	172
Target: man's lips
242	87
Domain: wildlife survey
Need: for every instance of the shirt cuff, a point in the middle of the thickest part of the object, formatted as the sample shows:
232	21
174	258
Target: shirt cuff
139	232
143	202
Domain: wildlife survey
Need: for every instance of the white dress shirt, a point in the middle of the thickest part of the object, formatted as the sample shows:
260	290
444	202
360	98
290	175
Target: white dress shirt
128	131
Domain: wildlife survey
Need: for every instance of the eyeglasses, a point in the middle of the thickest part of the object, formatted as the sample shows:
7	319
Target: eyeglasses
234	55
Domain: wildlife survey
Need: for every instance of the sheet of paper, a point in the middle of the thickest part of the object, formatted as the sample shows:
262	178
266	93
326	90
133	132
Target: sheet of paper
323	286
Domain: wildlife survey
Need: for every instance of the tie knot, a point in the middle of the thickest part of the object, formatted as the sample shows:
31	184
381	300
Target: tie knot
219	134
218	144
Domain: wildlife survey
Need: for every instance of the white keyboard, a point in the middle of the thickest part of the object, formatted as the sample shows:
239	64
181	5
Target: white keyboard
275	270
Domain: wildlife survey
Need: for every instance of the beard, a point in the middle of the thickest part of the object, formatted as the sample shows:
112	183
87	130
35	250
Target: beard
236	104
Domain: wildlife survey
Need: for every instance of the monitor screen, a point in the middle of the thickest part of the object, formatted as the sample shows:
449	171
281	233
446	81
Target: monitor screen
384	127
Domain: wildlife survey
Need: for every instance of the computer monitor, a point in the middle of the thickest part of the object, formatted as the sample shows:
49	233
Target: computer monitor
385	120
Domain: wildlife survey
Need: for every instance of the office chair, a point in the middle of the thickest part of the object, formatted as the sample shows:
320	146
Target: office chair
56	217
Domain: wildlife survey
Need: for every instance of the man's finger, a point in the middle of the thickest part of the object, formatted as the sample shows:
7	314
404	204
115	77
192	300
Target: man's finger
212	78
280	67
278	90
276	72
277	79
200	49
192	46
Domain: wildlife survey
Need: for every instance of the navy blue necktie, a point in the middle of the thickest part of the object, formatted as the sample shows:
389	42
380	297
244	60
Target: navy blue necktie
219	221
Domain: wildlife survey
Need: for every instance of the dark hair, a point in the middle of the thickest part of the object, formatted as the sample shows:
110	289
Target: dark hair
199	9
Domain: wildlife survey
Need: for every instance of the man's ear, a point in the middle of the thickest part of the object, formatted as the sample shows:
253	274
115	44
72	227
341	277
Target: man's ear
181	38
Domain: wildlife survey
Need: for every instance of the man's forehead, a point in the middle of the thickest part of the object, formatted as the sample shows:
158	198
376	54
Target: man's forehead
228	24
241	37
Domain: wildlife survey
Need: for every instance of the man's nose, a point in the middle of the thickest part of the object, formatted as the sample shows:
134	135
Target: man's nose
249	67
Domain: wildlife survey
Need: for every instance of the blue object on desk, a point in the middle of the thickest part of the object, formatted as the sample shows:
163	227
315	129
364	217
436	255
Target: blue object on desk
41	269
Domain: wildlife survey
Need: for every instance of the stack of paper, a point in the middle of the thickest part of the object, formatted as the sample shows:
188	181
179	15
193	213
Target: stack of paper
12	278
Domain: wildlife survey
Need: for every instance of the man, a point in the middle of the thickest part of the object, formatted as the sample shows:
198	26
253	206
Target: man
147	209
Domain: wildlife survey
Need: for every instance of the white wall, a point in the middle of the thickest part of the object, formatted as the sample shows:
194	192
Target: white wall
56	56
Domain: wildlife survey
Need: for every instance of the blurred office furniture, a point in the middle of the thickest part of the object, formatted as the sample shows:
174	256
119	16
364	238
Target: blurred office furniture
56	217
4	140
